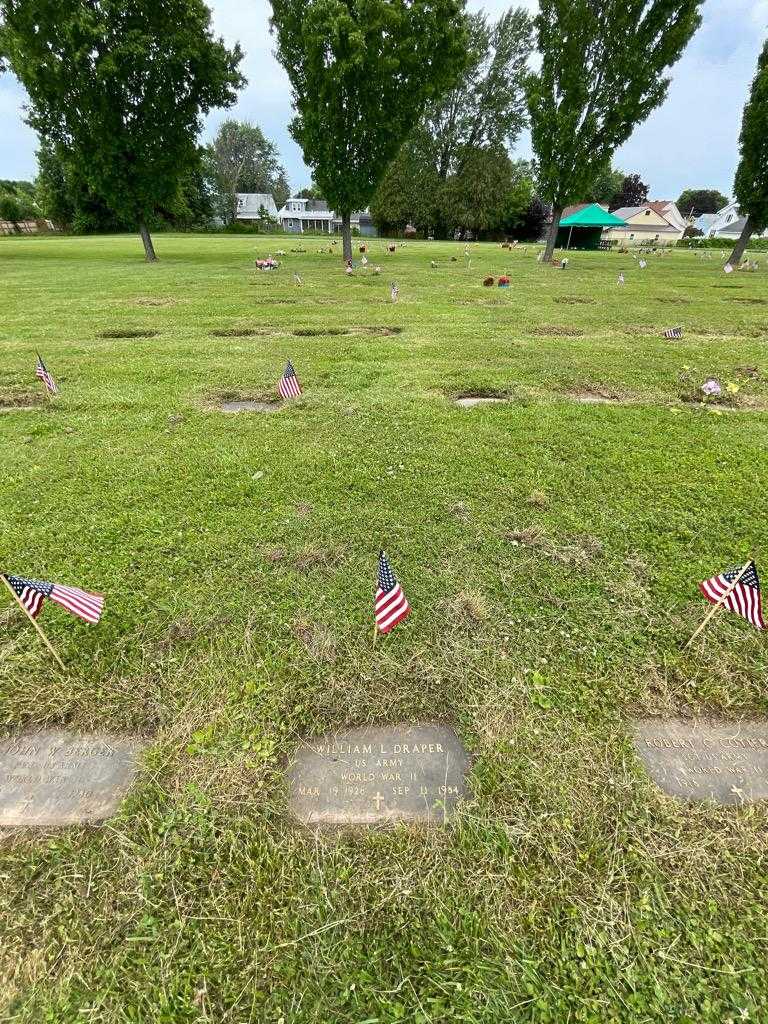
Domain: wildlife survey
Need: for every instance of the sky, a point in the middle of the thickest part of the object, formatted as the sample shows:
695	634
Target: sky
691	141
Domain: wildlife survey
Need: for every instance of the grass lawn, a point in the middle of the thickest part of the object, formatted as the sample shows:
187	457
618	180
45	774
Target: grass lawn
550	548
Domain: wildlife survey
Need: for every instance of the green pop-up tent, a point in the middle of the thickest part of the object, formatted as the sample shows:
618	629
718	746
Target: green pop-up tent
585	226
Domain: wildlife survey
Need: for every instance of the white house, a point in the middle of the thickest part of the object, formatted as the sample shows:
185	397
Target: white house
300	215
253	205
728	223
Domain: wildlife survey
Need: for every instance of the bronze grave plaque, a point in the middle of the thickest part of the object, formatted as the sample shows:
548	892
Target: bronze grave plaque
379	774
62	778
706	759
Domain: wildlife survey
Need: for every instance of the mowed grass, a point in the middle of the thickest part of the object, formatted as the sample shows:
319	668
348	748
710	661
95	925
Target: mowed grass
550	549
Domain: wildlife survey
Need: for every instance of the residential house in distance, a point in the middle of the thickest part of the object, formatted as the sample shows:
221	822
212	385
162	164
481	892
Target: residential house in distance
252	206
653	223
728	224
300	215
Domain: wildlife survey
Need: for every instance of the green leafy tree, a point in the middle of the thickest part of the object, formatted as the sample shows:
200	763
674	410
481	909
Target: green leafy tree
310	192
487	195
244	160
695	201
750	187
632	192
121	85
486	108
361	73
10	209
605	186
602	73
409	193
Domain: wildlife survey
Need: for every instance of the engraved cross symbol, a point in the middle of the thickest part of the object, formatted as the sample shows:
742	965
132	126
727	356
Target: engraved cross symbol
379	800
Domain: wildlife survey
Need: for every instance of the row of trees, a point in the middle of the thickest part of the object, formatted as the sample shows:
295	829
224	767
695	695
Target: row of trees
118	90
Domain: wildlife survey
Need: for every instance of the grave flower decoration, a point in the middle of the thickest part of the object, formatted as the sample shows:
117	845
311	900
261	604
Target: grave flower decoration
711	387
503	281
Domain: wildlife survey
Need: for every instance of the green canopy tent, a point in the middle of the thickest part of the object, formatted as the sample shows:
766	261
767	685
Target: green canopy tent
587	226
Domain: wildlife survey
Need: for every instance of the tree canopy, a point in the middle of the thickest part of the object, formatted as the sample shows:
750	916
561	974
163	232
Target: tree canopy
120	86
633	191
486	108
602	73
361	73
701	200
750	186
242	159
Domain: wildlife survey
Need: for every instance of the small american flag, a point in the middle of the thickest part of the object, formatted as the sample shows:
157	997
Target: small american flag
288	385
32	594
390	603
673	332
744	599
42	372
394	291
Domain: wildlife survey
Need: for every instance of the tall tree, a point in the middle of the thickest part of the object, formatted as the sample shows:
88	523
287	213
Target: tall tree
605	186
701	200
632	192
602	73
487	105
409	193
750	187
121	85
487	194
244	160
361	73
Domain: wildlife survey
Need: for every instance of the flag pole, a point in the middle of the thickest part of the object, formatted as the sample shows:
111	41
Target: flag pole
47	395
719	604
43	637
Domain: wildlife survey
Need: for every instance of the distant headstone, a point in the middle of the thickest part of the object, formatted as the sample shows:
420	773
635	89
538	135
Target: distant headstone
705	759
378	774
61	778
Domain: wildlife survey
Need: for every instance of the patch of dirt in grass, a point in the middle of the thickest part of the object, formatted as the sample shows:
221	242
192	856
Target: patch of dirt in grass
154	300
467	607
319	332
237	332
303	509
383	331
21	402
577	551
316	558
593	396
673	300
129	333
727	285
749	301
317	639
747	371
574	300
558	331
538	499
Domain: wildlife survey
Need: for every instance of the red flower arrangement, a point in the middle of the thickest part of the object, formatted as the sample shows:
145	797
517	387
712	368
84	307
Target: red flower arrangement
503	282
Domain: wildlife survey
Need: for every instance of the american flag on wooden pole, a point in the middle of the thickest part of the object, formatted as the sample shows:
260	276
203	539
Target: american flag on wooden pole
32	595
737	589
673	332
390	603
288	385
42	372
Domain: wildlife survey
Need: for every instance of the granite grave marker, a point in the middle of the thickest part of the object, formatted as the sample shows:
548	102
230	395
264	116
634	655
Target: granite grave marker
706	759
379	774
62	778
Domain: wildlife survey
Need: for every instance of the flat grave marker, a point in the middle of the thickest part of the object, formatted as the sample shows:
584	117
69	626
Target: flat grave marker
379	774
706	759
63	778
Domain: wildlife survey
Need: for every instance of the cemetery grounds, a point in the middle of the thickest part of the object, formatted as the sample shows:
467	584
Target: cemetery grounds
550	547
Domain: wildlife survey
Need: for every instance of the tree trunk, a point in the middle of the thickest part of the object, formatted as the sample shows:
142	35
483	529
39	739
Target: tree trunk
149	249
557	212
740	247
346	235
